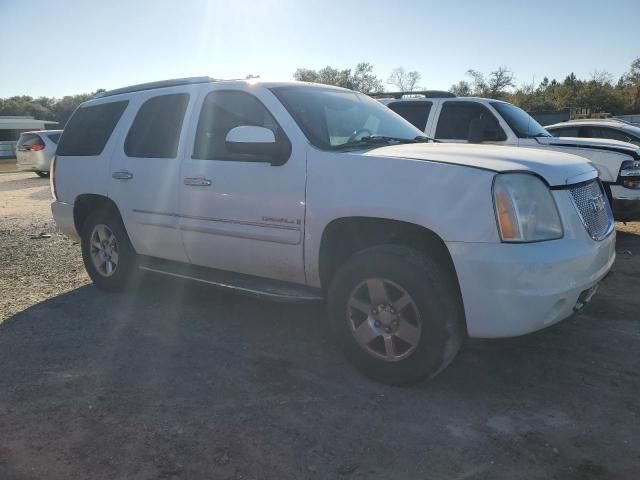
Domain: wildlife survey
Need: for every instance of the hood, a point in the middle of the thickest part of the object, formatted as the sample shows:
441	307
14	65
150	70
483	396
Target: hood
596	143
555	167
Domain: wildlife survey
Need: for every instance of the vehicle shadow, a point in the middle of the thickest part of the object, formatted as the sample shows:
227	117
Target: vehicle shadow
179	377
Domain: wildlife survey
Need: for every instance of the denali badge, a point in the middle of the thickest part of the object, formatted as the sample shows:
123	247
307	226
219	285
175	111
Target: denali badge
597	204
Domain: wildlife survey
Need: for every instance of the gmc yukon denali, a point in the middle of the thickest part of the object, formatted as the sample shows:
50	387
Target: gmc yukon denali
298	192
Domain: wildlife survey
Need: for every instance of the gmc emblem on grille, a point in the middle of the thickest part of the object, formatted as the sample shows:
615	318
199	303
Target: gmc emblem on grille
597	204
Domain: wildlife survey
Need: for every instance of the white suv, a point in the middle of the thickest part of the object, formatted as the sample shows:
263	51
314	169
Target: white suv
297	191
452	119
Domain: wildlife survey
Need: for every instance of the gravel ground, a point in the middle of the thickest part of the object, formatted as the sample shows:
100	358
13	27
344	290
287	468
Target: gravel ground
177	381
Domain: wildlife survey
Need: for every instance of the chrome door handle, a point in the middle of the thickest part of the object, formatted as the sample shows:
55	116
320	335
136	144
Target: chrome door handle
122	175
197	182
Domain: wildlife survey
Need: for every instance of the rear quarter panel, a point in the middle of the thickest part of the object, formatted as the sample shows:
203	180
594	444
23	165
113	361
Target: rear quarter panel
76	175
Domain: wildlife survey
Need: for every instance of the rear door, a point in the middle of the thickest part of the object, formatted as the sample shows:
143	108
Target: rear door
145	171
239	212
415	112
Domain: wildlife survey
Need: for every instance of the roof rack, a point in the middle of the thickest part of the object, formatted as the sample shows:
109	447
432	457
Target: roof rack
161	84
610	119
424	93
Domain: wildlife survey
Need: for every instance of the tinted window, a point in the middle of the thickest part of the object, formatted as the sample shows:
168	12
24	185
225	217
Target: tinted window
54	137
564	132
30	140
89	128
155	132
225	110
416	113
455	118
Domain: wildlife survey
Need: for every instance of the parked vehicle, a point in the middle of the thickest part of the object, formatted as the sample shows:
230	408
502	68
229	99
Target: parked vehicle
35	150
610	128
299	192
448	118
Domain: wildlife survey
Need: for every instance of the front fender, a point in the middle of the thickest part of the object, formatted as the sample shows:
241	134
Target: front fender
452	201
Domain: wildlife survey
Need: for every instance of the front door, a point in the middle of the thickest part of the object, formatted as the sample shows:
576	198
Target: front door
145	172
240	212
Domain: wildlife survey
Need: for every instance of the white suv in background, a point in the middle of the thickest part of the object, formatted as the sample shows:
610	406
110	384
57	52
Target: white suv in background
35	150
296	192
447	118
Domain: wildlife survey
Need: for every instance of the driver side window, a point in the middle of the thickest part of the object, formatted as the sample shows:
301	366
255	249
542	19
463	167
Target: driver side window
223	110
455	120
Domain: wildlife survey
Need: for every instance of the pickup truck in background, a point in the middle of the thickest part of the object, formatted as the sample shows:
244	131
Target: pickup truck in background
451	119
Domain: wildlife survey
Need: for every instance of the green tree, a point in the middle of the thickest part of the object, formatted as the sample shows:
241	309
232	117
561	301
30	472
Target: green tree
44	108
362	79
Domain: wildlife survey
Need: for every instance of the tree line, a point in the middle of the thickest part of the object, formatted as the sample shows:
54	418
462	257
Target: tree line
44	108
600	92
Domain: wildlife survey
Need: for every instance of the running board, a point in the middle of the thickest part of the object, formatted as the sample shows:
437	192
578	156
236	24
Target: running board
244	284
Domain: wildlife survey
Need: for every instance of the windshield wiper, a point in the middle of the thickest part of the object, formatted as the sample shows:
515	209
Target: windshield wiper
384	140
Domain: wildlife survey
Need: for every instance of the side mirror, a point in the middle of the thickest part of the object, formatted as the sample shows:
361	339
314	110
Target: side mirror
249	139
476	131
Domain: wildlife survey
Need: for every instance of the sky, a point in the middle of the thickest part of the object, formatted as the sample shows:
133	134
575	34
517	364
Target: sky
57	47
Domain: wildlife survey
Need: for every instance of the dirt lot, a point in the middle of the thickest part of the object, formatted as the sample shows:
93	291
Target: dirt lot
177	381
7	165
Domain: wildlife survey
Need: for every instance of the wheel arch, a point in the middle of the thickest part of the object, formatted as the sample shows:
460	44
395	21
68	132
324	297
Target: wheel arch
86	203
345	236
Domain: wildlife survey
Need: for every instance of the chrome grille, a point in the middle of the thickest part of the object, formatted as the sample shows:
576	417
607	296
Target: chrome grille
593	207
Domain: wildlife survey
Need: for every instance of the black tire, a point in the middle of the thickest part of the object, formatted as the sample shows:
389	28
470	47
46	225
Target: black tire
126	269
43	174
431	285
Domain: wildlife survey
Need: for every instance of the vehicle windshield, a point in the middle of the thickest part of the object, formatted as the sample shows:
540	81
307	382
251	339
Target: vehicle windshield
332	118
522	124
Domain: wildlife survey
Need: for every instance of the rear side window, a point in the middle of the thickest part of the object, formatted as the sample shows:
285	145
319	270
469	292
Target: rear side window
30	140
89	128
564	132
54	137
456	117
415	113
155	132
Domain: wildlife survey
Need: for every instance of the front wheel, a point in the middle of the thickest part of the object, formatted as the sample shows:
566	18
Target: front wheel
396	313
108	255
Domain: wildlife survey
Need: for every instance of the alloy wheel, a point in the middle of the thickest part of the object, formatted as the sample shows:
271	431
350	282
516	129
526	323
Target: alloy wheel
384	319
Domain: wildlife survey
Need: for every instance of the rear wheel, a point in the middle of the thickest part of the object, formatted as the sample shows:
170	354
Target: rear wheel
397	314
108	255
43	174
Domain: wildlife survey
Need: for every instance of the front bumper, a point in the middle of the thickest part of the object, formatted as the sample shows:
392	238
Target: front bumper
63	216
625	204
513	289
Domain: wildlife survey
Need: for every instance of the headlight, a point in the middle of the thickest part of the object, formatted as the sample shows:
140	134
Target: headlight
630	174
525	209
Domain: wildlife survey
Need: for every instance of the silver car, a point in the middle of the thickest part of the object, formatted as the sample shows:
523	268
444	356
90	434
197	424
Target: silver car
35	150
